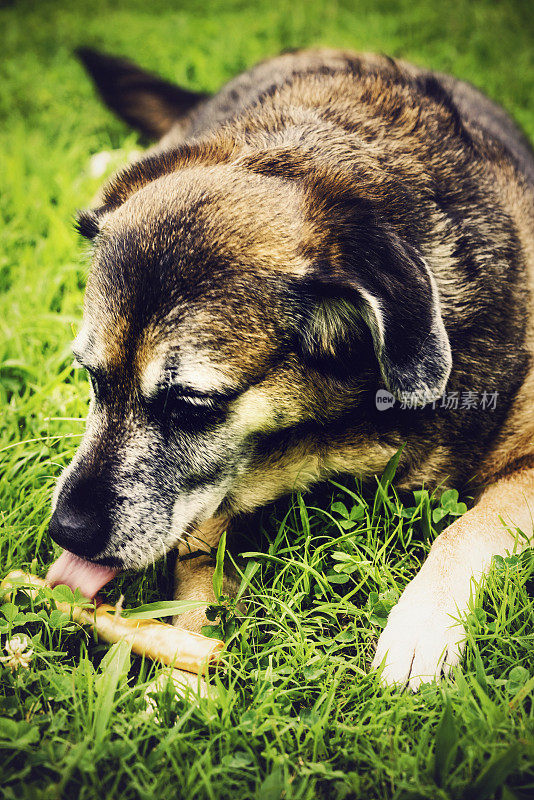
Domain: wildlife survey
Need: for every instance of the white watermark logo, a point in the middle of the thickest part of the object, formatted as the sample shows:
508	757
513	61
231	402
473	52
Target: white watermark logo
452	401
384	399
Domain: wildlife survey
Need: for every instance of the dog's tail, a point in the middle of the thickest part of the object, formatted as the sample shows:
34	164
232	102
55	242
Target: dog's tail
143	100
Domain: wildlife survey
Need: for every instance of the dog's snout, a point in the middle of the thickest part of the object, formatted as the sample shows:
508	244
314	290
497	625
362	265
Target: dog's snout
80	522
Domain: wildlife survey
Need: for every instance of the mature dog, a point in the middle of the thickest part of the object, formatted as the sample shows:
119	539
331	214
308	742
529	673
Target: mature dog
327	227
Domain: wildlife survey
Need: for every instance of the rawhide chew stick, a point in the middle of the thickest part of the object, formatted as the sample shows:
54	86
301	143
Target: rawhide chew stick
158	641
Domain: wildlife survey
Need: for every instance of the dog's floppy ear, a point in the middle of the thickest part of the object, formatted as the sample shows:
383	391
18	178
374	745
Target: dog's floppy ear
144	101
375	277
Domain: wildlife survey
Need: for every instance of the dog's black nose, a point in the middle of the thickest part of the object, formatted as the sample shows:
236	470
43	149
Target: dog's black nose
80	522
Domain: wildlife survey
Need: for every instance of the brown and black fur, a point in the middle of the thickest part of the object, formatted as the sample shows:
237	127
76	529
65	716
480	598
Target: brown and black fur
260	231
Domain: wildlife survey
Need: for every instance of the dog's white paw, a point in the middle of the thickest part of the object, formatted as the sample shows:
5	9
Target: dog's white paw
422	639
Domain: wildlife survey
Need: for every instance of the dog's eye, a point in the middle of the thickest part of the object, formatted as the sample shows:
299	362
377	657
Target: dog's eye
172	402
95	384
192	402
95	376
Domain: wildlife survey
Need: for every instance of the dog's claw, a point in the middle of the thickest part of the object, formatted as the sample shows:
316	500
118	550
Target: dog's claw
420	642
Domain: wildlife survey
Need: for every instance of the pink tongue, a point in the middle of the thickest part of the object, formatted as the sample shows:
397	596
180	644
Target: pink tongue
79	574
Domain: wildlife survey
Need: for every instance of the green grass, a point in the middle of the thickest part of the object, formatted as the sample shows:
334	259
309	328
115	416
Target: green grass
297	715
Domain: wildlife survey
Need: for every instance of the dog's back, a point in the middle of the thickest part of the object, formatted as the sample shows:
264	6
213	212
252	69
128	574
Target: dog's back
476	110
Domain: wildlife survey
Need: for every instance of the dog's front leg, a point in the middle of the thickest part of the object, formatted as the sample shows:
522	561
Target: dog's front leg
194	572
194	583
421	638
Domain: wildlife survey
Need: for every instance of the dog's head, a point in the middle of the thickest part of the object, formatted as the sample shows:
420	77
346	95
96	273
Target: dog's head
232	317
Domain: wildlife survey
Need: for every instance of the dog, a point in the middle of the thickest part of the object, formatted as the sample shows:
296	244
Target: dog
325	262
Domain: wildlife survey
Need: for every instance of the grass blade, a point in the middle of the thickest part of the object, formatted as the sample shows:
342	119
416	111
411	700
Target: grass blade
218	573
495	774
162	608
113	668
445	744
